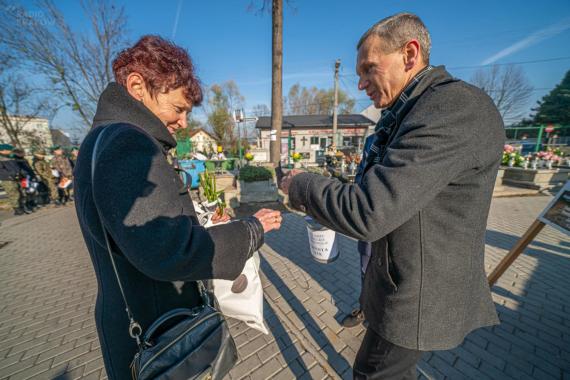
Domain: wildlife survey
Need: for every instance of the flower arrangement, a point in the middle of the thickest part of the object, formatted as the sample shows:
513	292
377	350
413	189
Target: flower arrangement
296	156
546	158
550	155
511	156
248	157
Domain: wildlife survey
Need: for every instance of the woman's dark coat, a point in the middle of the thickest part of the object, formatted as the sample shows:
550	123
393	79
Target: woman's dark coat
153	226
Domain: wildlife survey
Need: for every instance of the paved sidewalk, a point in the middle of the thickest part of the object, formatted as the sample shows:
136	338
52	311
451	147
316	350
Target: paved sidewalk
47	293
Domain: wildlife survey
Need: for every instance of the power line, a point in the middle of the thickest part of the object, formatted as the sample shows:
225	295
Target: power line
497	64
511	63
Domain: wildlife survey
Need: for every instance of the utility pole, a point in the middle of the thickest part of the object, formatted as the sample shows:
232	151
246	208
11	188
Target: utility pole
335	107
276	82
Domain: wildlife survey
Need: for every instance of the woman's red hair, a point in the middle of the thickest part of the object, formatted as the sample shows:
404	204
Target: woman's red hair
163	65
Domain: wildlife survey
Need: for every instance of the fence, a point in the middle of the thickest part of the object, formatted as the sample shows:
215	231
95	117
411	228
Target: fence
540	137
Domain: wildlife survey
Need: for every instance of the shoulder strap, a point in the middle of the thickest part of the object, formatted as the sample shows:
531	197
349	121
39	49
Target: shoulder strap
135	330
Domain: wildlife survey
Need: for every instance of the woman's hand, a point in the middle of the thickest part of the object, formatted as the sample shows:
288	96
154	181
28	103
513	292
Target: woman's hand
270	219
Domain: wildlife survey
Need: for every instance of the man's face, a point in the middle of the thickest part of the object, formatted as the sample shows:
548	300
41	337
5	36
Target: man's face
5	152
171	108
58	152
382	75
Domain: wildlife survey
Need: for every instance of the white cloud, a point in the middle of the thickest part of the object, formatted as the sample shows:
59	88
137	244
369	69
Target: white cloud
530	40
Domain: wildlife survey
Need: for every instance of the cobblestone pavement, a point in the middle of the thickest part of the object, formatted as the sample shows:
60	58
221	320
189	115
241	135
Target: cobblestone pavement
47	293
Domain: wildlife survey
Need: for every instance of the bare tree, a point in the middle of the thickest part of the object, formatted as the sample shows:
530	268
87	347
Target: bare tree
259	110
509	88
76	66
19	105
314	101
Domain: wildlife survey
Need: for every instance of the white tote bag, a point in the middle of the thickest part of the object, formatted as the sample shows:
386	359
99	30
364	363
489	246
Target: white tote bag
241	299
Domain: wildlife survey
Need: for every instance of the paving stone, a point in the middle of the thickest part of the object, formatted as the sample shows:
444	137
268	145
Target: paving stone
267	370
47	305
245	367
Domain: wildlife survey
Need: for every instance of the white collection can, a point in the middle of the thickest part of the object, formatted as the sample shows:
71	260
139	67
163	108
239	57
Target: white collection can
323	242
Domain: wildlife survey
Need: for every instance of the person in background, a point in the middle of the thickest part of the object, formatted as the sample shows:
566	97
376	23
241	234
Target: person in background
27	181
73	156
9	176
61	164
143	203
422	202
73	153
45	176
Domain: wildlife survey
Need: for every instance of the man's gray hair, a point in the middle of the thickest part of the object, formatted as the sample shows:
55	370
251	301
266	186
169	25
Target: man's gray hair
398	29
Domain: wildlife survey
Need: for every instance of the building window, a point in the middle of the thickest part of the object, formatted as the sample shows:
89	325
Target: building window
314	140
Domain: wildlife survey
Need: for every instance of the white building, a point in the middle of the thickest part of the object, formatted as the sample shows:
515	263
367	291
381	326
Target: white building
35	132
202	141
310	135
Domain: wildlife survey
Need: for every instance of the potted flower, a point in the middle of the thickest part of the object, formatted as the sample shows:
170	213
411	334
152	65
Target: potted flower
213	196
511	157
256	184
248	157
296	156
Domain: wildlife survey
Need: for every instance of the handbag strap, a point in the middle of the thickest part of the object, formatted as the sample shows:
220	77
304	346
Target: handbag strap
135	330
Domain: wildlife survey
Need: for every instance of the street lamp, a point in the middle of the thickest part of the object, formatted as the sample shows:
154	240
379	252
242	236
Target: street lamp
239	117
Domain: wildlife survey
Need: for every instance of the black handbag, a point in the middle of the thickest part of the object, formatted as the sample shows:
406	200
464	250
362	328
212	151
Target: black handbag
182	344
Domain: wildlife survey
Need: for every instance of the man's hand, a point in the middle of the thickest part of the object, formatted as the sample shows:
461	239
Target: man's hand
270	219
287	179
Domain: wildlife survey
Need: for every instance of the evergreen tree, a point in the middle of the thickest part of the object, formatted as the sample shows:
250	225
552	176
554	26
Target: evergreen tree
554	108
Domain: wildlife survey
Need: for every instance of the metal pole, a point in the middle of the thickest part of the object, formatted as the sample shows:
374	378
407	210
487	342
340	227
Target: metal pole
239	143
240	153
539	139
289	149
335	107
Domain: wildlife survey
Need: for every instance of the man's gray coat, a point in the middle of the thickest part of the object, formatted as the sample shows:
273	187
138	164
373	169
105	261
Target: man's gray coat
424	207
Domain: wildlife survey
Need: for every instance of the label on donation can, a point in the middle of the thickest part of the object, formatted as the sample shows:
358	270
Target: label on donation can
322	242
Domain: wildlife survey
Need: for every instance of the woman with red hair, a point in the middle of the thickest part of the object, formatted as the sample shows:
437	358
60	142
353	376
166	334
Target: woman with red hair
155	236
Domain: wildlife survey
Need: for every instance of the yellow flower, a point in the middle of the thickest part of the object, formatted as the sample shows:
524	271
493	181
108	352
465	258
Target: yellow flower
220	149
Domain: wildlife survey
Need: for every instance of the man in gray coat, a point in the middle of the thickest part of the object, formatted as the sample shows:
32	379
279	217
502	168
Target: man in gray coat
423	202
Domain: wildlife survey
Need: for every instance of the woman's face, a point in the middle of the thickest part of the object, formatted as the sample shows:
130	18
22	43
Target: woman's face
170	107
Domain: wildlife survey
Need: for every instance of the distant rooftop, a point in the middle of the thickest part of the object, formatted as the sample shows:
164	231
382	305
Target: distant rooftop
317	121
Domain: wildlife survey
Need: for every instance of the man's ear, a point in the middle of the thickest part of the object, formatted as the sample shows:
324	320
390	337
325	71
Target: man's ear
136	86
412	55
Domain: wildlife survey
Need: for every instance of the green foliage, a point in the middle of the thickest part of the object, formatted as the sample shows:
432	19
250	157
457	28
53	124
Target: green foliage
554	108
208	184
223	99
254	173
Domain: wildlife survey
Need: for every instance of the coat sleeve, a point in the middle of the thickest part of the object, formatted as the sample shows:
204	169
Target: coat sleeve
139	197
431	148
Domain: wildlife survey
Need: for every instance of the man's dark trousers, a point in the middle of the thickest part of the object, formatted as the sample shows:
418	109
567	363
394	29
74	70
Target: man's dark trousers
379	359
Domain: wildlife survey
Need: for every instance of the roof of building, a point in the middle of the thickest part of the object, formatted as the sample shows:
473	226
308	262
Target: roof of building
194	132
317	121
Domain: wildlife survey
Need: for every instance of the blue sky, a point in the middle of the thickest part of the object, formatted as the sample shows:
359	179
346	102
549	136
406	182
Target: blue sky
229	43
